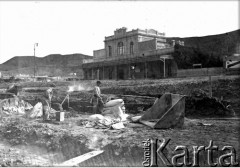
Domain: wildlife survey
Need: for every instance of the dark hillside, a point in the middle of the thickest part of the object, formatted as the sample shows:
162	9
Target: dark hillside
207	50
53	64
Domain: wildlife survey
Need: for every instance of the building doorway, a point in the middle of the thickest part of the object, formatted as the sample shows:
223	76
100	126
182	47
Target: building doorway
120	74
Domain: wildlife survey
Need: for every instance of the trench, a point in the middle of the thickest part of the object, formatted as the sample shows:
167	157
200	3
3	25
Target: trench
32	155
27	155
113	155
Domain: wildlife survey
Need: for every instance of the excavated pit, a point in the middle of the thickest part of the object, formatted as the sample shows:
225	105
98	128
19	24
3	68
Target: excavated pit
40	149
29	155
49	150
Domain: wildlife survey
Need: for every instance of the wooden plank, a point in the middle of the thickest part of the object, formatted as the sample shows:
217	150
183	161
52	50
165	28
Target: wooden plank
75	161
148	123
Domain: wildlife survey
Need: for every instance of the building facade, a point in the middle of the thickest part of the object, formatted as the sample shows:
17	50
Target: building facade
132	54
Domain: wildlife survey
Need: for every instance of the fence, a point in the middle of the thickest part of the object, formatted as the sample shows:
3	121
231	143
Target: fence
200	72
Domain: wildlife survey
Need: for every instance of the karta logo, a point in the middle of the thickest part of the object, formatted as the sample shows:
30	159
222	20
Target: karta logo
153	150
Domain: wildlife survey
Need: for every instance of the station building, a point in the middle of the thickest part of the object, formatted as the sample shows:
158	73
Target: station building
135	54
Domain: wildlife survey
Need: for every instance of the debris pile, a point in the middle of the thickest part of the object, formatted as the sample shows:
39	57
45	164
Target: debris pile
17	106
201	104
113	116
14	106
98	121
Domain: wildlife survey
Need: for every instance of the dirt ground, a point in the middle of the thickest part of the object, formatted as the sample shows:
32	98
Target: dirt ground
26	142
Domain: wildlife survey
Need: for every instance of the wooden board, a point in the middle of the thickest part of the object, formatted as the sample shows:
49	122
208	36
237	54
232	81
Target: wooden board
75	161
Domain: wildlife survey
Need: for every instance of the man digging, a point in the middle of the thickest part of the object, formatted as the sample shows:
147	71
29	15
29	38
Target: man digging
97	101
46	102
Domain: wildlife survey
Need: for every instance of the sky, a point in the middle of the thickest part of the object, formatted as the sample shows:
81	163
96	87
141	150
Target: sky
67	27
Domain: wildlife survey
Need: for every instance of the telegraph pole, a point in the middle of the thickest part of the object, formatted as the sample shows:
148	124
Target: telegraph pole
34	71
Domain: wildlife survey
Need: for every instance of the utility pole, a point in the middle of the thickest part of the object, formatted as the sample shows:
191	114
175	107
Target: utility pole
34	71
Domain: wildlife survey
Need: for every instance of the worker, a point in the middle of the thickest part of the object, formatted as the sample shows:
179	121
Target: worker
46	102
97	101
14	88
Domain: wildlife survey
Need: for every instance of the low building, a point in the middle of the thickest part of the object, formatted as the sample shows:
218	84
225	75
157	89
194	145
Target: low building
233	61
132	54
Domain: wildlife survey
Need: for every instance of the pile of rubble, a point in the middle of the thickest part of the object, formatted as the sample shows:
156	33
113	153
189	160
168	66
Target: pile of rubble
18	107
13	106
98	121
199	103
113	116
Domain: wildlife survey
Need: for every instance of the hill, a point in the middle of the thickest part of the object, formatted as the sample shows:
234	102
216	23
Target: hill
54	64
207	50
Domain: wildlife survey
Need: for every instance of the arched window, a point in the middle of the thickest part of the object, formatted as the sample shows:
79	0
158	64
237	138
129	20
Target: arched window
120	48
131	48
109	51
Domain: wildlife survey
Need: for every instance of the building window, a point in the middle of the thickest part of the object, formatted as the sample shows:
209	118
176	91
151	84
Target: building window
109	51
120	48
131	48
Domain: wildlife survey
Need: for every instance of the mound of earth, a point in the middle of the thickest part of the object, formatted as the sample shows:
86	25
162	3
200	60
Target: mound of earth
200	104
